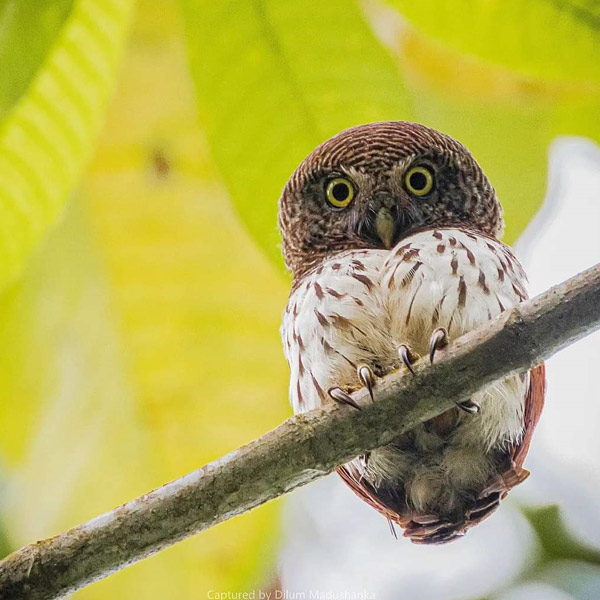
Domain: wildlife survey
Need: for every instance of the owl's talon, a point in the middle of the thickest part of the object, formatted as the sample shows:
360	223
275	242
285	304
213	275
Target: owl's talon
437	341
407	356
342	397
469	406
367	378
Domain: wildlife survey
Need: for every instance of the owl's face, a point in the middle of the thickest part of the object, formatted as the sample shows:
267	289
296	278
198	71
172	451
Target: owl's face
370	186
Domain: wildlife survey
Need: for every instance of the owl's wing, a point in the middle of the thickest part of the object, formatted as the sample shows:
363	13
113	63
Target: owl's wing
533	410
534	403
366	492
428	529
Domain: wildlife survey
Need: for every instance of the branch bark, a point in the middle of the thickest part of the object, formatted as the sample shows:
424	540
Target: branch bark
304	447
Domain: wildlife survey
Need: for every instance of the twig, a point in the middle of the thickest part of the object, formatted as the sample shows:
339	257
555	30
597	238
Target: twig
305	447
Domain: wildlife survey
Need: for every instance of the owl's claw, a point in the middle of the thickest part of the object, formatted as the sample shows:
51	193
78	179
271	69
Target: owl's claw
469	406
367	378
407	356
437	341
342	397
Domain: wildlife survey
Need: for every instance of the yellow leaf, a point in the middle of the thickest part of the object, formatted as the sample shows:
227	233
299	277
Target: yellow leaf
148	335
46	137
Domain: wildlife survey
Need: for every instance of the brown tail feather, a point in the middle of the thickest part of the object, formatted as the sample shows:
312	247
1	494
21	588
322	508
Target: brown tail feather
430	529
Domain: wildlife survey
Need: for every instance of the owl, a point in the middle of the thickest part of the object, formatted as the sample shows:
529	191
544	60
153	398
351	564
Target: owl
391	232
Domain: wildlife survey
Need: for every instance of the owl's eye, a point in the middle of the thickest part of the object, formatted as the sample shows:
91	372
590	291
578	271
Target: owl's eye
340	192
419	181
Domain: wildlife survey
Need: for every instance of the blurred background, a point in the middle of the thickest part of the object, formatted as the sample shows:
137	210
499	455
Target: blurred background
143	147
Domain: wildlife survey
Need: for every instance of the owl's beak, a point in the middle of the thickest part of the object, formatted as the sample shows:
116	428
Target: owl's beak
385	220
385	227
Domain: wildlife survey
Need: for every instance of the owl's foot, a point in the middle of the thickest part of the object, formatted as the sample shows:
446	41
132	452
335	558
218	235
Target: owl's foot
342	397
407	356
439	339
367	378
469	406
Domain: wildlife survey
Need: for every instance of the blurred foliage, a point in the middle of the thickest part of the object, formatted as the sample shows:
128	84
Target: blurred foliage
58	100
22	53
508	33
555	539
579	580
140	336
142	340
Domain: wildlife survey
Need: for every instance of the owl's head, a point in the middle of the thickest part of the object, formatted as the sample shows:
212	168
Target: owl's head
370	186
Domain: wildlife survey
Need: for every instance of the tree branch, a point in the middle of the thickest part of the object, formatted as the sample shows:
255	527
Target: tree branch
305	447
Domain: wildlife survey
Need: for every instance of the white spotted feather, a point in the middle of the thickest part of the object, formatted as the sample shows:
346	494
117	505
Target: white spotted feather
359	306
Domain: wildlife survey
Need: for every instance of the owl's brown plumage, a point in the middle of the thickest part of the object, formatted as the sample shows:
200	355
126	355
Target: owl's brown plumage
390	231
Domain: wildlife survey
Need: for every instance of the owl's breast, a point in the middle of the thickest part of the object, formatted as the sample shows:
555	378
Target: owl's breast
448	278
334	321
358	307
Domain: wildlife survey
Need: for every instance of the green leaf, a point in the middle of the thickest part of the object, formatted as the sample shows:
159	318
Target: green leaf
541	39
48	133
22	51
554	537
274	79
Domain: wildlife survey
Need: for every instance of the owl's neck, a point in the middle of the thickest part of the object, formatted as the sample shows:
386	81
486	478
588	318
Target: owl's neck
302	264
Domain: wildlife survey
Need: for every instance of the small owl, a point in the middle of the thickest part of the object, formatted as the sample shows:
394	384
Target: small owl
391	231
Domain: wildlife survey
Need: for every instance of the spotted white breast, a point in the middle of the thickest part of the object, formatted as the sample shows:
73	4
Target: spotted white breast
359	306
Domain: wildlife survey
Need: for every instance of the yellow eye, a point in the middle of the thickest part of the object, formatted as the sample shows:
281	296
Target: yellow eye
340	192
419	181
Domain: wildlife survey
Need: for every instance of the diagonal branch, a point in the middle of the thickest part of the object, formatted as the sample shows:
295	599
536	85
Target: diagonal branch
305	447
